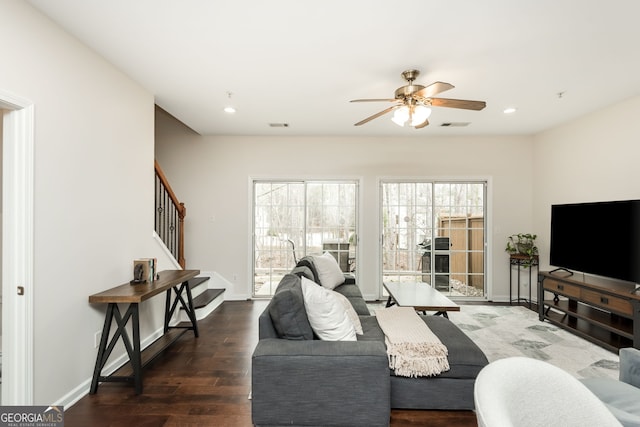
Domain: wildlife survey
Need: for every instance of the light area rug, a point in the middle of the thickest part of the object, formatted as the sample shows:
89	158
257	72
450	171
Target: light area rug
506	331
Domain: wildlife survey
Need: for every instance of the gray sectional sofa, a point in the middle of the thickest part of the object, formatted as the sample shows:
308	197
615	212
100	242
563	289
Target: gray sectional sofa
299	380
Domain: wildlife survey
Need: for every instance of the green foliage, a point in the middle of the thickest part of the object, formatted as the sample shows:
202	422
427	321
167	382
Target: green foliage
522	244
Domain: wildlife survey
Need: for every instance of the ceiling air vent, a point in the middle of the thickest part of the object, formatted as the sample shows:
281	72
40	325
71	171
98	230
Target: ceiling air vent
455	124
279	125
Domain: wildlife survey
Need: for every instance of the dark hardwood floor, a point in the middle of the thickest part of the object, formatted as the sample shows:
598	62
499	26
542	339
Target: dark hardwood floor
206	382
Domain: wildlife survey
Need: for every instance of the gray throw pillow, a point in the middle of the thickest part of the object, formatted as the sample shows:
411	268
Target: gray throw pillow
287	310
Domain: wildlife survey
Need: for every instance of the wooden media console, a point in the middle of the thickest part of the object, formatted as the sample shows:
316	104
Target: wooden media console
602	311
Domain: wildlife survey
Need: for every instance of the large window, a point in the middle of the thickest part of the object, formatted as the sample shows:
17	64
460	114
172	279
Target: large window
434	232
297	218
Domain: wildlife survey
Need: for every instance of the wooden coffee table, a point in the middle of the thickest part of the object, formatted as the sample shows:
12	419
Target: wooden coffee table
420	296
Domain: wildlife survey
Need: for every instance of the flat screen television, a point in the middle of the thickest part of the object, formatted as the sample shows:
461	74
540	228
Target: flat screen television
601	238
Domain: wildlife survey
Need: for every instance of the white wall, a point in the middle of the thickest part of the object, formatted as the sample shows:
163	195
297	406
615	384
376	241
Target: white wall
212	176
593	158
94	155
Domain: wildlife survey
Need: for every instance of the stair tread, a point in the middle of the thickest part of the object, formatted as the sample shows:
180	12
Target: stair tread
197	281
206	297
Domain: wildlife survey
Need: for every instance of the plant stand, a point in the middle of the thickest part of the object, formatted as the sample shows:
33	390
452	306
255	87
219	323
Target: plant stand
521	262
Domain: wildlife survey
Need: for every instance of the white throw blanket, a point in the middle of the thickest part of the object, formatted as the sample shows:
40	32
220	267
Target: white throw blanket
413	349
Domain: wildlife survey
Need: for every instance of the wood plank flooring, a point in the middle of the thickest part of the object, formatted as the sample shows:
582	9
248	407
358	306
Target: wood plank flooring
206	381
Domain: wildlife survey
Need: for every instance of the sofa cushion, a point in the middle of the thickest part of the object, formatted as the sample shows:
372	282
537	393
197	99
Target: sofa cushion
465	357
352	292
371	330
287	310
329	272
303	271
622	399
350	311
307	261
327	315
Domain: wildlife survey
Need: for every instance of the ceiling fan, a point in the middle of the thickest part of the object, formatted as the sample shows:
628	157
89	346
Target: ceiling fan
412	102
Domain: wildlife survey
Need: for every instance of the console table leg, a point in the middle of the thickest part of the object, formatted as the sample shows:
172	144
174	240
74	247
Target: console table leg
191	312
136	358
188	307
167	312
101	359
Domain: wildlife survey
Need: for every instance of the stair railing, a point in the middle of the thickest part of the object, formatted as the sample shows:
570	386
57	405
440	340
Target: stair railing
169	216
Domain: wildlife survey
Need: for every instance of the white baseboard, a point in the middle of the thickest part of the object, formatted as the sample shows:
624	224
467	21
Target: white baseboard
83	389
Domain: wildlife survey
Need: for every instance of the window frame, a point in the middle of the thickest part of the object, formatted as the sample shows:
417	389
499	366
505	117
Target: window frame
486	234
301	250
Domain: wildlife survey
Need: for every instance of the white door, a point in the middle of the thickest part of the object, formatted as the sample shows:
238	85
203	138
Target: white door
17	245
434	232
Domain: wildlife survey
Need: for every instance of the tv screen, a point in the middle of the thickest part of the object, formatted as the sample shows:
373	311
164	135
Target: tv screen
601	238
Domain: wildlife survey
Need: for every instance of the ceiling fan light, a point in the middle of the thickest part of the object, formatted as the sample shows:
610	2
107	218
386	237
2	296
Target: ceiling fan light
401	115
420	115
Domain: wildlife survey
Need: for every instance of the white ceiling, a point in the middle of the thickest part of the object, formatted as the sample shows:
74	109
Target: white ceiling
300	62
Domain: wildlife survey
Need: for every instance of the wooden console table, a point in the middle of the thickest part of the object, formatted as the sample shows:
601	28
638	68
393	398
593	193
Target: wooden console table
176	280
602	311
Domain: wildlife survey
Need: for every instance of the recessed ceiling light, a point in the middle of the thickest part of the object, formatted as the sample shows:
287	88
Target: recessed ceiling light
509	110
455	124
229	110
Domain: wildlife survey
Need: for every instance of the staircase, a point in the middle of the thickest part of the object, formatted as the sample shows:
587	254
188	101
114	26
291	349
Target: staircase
205	300
169	225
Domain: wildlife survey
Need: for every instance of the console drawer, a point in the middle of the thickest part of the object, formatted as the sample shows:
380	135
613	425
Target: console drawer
609	302
561	288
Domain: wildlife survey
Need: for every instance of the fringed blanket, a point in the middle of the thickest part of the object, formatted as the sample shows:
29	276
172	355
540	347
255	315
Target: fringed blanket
413	349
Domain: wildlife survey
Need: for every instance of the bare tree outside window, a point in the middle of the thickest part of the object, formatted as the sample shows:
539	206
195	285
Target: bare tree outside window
434	232
294	219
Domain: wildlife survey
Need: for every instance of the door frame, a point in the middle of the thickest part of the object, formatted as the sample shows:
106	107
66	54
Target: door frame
488	220
18	249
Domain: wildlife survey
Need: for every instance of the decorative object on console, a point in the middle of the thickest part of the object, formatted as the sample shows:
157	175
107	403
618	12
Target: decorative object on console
138	274
144	270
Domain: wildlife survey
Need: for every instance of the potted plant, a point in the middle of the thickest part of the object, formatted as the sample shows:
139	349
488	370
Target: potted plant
523	245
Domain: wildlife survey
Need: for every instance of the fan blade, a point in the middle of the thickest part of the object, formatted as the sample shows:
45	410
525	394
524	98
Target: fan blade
421	125
434	89
373	100
458	103
375	116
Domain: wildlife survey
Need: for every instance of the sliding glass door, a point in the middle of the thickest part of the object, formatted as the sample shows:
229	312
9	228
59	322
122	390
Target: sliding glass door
434	232
292	219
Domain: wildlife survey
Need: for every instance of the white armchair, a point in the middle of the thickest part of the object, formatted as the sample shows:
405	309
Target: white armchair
525	392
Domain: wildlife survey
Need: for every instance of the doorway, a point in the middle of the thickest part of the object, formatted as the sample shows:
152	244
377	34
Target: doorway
435	232
17	249
292	219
